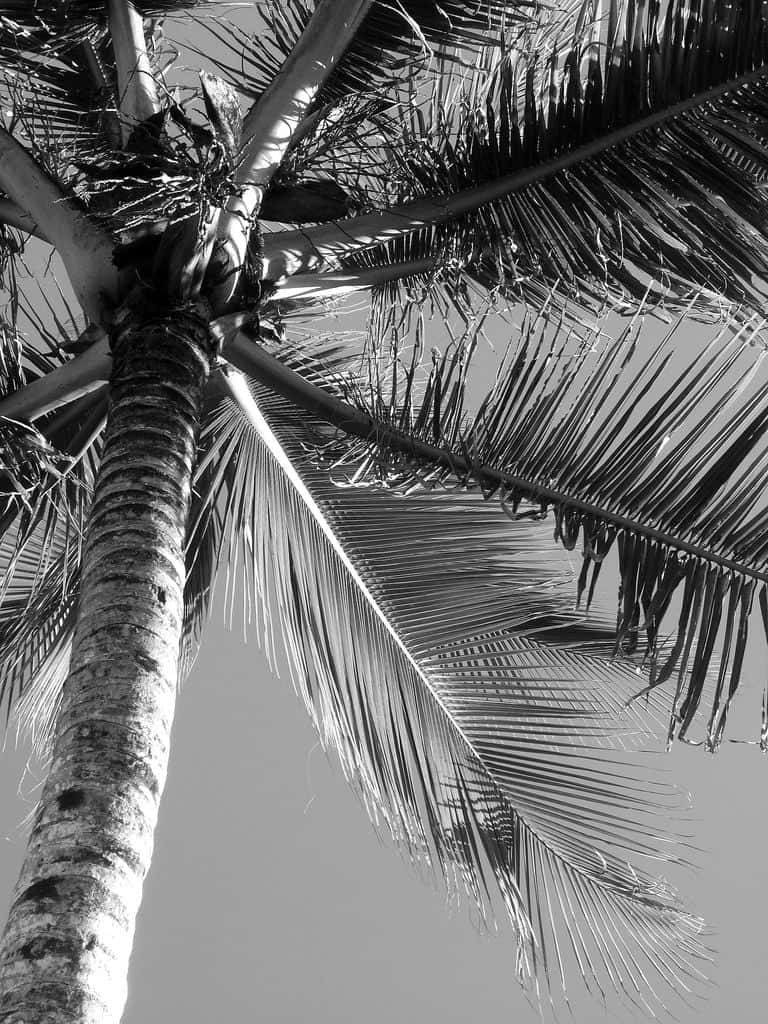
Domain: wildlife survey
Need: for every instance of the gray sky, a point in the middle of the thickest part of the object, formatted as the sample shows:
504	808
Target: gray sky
271	897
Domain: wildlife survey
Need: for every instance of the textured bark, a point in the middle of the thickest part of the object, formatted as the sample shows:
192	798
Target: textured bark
64	953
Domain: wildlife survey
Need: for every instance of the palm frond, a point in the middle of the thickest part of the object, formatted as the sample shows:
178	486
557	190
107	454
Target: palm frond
341	144
679	198
217	493
675	482
37	620
41	535
72	19
444	662
391	38
40	558
633	154
11	372
59	76
46	478
32	466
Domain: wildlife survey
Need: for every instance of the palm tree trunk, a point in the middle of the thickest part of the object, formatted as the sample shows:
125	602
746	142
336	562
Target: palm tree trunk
64	953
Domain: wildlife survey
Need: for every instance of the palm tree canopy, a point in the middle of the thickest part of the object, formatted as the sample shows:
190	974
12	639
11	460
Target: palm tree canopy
608	160
431	632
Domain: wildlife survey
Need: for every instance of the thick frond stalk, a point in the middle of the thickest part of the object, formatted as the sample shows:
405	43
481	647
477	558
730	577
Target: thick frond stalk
15	217
71	380
409	34
616	468
273	121
66	945
316	286
84	249
137	93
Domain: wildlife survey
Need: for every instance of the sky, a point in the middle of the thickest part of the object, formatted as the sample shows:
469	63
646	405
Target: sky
272	898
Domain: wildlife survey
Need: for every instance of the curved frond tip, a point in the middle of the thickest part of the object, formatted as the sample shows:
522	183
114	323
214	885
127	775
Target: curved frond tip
635	449
445	664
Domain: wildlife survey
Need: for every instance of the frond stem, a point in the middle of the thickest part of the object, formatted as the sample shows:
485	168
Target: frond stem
325	285
137	93
237	386
292	252
272	122
251	359
85	250
12	215
77	377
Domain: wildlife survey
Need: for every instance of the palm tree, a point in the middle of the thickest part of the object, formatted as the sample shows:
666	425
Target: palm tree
453	157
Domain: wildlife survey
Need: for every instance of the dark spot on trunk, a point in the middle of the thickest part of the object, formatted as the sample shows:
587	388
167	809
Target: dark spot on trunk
45	889
161	595
68	799
85	856
91	943
38	948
